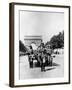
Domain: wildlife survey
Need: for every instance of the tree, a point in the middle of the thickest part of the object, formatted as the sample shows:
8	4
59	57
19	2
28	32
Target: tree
22	48
57	41
54	42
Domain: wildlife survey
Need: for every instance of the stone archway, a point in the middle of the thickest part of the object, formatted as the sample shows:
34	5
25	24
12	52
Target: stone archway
32	39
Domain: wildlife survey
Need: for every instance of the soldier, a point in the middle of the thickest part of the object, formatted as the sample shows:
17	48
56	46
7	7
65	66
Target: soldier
49	52
31	50
31	56
41	56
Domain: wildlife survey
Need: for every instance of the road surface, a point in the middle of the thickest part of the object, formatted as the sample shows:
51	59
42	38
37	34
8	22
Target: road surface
56	70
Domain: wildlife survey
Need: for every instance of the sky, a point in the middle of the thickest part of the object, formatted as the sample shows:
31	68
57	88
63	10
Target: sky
45	24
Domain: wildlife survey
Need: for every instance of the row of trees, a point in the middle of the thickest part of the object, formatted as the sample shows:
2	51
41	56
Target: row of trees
57	41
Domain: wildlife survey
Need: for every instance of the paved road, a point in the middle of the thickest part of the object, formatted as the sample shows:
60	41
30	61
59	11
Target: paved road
56	70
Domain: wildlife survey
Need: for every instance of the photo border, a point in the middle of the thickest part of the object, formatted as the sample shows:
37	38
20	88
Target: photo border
11	43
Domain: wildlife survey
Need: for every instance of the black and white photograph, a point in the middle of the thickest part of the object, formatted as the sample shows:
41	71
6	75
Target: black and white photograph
41	44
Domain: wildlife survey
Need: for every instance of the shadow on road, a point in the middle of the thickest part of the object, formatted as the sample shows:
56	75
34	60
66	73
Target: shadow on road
37	65
49	69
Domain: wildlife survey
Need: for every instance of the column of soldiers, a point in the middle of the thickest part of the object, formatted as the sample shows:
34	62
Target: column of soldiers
43	55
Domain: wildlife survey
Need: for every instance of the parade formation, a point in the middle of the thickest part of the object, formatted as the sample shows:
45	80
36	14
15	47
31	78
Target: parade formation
43	56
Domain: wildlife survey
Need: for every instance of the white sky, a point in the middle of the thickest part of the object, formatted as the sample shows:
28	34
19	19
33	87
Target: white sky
40	23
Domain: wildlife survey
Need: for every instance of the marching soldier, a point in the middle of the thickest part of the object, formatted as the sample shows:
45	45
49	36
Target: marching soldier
49	52
31	56
41	56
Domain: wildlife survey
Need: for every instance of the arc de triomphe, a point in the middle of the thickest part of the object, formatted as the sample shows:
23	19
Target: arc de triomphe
32	39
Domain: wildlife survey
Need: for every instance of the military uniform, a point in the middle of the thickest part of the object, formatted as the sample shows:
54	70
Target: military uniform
41	57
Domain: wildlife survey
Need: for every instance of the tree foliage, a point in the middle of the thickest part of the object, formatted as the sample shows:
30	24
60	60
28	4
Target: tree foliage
57	41
22	48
